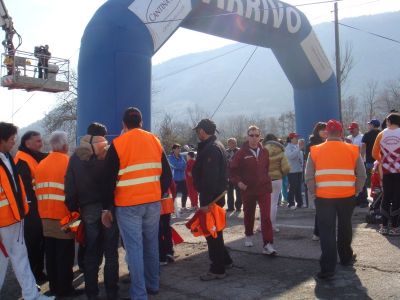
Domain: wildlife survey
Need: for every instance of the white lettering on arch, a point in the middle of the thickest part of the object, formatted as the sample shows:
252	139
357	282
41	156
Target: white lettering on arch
253	6
277	12
239	7
291	12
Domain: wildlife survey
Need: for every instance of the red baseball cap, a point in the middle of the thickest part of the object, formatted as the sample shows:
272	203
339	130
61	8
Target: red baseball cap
334	125
353	125
293	135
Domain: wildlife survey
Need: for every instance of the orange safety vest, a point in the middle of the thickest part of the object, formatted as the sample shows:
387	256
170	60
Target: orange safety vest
335	162
208	223
32	163
140	168
9	212
167	205
49	187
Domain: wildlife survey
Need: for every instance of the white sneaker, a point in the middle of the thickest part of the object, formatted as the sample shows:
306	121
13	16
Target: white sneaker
276	229
293	207
269	250
248	242
315	237
44	297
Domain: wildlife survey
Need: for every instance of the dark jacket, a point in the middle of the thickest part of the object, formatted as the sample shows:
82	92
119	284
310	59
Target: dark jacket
84	180
25	173
209	171
252	171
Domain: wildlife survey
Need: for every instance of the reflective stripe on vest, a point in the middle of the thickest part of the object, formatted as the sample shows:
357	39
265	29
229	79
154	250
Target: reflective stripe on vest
139	167
55	185
132	182
334	172
335	183
51	197
4	202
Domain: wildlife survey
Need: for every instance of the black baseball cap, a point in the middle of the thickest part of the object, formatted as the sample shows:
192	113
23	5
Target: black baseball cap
207	125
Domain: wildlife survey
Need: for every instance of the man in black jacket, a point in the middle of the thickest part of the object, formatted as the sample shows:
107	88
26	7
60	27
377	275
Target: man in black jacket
27	158
210	180
83	192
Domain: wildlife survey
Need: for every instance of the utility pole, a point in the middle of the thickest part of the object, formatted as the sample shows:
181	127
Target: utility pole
338	66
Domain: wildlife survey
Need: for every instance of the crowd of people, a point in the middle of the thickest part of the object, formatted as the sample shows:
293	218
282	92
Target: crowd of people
124	193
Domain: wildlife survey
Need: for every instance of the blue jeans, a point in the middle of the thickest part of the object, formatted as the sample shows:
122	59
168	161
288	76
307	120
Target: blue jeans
138	226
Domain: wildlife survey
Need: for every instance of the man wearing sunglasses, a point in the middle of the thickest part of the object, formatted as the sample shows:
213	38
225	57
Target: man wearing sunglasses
249	171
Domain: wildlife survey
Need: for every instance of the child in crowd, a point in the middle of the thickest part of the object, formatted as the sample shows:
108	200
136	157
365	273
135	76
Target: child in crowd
193	195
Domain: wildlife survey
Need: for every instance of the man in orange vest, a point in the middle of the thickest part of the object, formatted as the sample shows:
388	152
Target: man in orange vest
13	209
27	158
137	175
210	180
49	189
335	174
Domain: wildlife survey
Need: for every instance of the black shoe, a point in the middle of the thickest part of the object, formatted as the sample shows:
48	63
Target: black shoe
230	209
72	293
151	292
349	262
325	275
238	210
126	280
41	278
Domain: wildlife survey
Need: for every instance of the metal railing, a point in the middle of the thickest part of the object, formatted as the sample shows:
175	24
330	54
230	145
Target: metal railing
26	64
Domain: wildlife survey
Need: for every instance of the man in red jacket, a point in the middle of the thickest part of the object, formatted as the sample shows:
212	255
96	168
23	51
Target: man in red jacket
249	171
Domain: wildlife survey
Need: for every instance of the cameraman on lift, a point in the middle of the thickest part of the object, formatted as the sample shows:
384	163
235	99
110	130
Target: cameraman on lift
43	55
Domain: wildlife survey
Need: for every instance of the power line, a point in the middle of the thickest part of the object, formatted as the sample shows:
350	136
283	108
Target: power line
200	63
371	33
234	82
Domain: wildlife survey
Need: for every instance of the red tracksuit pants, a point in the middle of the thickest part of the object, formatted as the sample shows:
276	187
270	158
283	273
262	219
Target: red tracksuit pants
249	209
192	193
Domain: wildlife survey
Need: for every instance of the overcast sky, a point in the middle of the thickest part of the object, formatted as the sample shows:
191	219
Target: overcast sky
60	24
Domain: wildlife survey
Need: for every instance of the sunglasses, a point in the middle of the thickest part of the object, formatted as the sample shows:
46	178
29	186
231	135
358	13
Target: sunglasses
254	135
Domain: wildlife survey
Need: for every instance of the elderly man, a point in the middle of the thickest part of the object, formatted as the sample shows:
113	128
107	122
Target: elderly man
137	176
335	174
249	171
49	189
27	159
13	209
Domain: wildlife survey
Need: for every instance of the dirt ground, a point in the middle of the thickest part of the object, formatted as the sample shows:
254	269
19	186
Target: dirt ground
289	275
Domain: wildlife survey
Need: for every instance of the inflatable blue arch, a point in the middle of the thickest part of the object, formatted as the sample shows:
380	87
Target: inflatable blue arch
114	70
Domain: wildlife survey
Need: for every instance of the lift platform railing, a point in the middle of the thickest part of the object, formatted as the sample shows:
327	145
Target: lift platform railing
26	64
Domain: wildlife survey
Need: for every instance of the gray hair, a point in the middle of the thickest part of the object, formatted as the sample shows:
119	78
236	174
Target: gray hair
58	139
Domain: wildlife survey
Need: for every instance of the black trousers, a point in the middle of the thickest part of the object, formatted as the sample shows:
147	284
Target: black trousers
390	205
34	240
327	211
60	255
232	204
181	188
100	241
218	254
165	237
295	184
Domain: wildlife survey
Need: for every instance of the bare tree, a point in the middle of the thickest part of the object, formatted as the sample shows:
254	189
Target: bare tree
370	100
347	62
63	117
349	110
